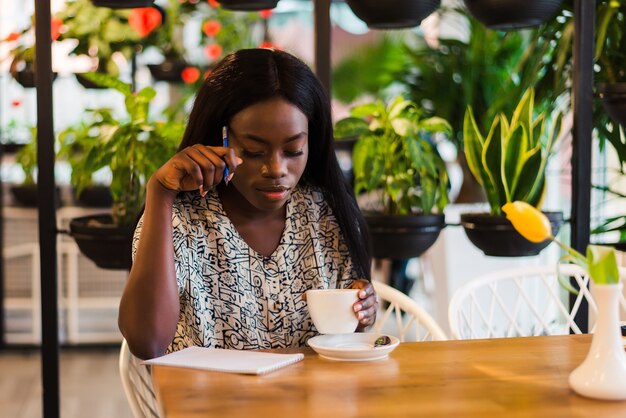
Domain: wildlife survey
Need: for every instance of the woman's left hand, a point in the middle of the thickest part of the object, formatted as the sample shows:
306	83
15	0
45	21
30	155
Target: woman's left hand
365	308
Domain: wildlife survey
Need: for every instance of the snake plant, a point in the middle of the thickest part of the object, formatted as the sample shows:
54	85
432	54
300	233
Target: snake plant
510	162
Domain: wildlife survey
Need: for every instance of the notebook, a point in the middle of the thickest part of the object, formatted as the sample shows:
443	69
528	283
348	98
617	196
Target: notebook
231	361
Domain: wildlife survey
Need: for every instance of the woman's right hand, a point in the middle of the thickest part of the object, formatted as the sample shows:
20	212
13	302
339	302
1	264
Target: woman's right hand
197	167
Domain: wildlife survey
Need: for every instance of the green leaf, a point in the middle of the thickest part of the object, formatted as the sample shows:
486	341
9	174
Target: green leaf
473	144
531	179
375	109
105	80
602	264
491	161
350	127
402	126
514	149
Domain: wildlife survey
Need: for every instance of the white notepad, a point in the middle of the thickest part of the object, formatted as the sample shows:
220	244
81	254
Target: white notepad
232	361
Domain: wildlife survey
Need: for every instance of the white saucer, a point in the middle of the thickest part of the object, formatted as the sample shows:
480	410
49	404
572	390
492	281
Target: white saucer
356	346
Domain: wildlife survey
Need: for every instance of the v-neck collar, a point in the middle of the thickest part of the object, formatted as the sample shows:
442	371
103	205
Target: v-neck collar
289	212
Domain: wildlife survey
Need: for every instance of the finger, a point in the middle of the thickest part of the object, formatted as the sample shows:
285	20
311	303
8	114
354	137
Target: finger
366	291
189	173
368	302
211	164
367	316
230	157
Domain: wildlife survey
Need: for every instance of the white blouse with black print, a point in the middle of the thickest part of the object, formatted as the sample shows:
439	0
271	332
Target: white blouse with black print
233	297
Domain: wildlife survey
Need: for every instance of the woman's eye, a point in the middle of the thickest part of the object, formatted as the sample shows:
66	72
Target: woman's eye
252	154
294	153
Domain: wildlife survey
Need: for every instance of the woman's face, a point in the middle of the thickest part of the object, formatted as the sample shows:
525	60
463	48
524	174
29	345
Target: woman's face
272	139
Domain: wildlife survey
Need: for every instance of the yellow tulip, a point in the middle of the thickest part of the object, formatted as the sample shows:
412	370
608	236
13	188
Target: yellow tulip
528	221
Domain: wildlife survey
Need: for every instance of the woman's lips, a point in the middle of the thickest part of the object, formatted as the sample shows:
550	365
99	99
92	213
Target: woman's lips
275	193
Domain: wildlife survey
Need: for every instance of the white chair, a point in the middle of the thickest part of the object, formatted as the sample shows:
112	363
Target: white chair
137	385
411	322
520	302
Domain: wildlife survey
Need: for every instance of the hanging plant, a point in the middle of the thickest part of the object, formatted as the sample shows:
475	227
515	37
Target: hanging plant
102	32
122	4
513	14
248	5
393	14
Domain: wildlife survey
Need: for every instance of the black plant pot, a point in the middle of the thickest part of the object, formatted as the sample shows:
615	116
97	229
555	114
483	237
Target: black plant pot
620	246
495	235
248	5
613	98
122	4
393	14
107	245
28	196
403	236
26	77
95	197
169	70
513	14
11	147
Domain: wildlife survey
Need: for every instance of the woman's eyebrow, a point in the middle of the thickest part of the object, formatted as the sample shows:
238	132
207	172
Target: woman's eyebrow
265	141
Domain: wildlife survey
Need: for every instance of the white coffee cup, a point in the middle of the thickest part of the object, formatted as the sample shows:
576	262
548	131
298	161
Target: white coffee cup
332	310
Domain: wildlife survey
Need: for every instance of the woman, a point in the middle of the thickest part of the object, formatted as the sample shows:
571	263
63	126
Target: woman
246	246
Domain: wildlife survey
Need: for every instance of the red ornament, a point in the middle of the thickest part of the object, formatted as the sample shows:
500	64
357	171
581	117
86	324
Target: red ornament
213	3
267	45
56	24
213	51
211	27
190	75
16	103
144	20
266	14
13	36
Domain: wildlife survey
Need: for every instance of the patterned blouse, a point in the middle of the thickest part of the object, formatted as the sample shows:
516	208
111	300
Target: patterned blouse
233	297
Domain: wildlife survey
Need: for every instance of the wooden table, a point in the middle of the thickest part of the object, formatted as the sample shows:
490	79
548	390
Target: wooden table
525	377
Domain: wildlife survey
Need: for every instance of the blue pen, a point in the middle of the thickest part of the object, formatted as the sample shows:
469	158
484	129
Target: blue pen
225	143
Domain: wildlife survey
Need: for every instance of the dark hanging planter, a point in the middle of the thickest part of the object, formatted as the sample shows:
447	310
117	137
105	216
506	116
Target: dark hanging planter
613	96
95	197
28	195
122	4
393	14
495	236
101	241
248	5
24	73
513	14
169	70
403	236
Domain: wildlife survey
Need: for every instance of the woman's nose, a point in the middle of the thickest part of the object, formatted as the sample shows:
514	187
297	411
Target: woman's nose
275	167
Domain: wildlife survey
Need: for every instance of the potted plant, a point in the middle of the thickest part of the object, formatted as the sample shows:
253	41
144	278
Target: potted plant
22	52
74	141
510	164
25	194
396	163
132	149
100	32
393	14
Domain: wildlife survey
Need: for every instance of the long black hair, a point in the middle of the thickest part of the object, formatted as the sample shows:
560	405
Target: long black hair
250	76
